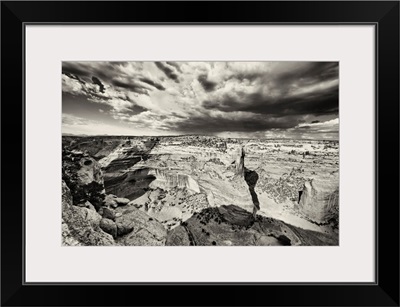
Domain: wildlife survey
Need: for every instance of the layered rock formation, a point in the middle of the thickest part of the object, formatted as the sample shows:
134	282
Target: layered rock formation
129	183
168	180
160	185
103	147
319	201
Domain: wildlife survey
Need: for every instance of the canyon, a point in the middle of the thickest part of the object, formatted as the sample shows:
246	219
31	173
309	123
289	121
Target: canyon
194	190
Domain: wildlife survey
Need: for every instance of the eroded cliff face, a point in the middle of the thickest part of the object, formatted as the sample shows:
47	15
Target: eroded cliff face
131	183
167	180
102	147
319	202
90	217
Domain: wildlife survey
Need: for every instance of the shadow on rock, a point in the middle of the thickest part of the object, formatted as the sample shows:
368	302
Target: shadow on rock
131	185
251	178
232	225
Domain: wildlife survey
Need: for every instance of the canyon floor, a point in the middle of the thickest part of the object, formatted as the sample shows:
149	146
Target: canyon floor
199	190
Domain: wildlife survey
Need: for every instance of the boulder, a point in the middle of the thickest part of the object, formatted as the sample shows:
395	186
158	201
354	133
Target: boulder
123	228
91	216
108	214
142	238
114	201
82	213
121	201
138	228
109	201
81	225
109	226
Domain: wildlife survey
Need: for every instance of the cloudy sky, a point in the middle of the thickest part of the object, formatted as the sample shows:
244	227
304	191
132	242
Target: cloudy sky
228	99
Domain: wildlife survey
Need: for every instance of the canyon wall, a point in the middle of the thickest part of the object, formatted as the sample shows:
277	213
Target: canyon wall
319	201
167	180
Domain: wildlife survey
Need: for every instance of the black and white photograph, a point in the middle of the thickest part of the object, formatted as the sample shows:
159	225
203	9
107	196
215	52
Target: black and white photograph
248	146
200	153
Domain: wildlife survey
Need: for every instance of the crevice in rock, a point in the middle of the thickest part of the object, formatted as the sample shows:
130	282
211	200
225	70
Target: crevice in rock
300	193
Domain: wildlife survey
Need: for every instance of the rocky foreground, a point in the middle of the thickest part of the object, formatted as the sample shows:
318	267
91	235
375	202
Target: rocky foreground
232	225
198	191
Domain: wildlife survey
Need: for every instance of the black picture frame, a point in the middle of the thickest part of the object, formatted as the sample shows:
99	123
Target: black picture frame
16	15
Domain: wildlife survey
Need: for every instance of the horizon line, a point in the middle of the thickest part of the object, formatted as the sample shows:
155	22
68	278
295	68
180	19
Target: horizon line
182	135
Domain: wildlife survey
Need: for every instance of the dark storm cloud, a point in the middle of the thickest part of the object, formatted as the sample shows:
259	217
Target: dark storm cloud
152	83
312	89
202	124
314	72
98	82
317	103
306	74
132	86
72	76
315	122
207	85
74	69
167	71
103	70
